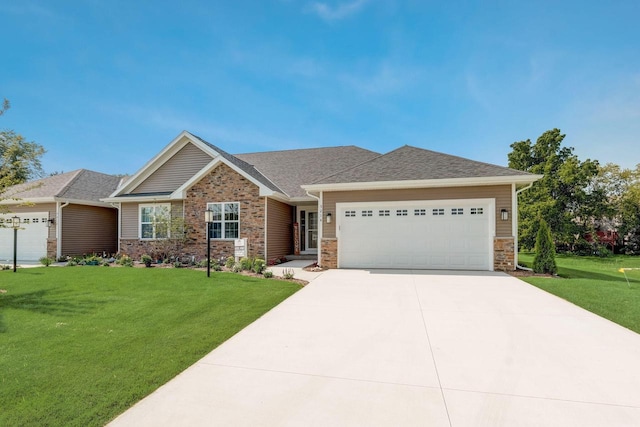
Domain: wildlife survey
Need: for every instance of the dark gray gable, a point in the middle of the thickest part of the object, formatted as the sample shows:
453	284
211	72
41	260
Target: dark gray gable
411	163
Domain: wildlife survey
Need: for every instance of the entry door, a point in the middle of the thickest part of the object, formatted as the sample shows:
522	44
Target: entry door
310	231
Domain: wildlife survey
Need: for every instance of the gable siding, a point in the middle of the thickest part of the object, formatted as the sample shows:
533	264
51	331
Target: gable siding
89	229
176	171
279	229
501	193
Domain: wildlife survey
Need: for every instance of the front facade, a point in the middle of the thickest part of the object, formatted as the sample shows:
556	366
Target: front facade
352	208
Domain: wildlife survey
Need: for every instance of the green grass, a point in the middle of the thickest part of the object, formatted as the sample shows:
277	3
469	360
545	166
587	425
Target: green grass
597	285
78	346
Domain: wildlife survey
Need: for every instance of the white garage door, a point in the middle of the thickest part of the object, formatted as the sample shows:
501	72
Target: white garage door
32	236
449	235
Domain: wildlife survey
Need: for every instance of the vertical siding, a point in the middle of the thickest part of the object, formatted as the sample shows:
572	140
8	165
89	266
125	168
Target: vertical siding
89	229
501	193
50	208
176	171
279	229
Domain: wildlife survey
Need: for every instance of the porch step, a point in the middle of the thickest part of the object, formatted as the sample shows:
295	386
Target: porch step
310	257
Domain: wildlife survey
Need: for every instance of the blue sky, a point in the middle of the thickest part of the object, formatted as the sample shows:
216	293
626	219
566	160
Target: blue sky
105	85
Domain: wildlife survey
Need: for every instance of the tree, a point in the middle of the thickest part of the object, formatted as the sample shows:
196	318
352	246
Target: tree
544	261
563	197
19	159
621	188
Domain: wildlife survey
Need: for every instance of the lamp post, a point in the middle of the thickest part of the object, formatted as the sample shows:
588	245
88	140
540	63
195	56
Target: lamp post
208	218
15	223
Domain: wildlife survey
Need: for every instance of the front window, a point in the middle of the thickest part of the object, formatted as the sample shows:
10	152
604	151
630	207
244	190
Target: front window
226	220
154	221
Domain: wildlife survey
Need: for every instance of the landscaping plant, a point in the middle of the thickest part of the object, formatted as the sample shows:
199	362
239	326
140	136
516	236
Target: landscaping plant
544	261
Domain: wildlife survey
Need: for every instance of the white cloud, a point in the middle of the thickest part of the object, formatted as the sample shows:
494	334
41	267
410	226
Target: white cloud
337	12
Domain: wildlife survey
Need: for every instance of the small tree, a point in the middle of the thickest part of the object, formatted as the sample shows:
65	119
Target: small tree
545	258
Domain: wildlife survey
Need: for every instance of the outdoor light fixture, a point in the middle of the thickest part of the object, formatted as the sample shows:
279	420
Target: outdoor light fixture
504	214
50	222
208	219
15	223
329	218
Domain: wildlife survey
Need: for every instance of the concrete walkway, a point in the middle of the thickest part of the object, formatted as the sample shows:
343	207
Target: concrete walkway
403	348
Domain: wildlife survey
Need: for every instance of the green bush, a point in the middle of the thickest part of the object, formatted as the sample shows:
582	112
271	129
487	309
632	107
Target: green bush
237	267
71	263
544	261
46	261
231	261
268	274
246	263
125	261
146	260
288	273
259	265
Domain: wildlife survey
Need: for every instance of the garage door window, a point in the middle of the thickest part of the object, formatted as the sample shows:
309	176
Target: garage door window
401	212
420	212
383	212
457	211
349	213
476	211
367	213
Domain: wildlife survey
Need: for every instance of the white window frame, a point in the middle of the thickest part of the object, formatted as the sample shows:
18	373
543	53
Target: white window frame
153	222
224	221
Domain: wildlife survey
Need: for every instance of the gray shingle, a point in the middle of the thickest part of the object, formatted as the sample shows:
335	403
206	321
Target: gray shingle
412	163
289	169
81	184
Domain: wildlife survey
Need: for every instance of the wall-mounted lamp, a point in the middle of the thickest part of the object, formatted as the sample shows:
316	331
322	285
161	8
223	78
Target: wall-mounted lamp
50	222
504	215
329	218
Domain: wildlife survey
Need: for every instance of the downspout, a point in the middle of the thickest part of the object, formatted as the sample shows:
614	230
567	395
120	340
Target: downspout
320	221
118	206
515	227
59	228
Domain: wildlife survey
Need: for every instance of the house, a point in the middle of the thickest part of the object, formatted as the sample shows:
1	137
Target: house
60	215
351	207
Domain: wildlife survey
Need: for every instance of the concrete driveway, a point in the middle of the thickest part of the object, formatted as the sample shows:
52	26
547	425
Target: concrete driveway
411	348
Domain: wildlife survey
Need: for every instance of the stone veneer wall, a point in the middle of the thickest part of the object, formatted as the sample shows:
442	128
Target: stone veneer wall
223	184
503	254
52	248
329	252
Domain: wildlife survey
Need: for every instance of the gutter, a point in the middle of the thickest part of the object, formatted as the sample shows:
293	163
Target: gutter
60	205
518	266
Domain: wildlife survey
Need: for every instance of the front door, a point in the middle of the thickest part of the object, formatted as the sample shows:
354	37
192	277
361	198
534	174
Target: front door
309	231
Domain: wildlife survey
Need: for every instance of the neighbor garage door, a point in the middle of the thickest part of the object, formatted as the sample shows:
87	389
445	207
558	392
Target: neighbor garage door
456	235
32	236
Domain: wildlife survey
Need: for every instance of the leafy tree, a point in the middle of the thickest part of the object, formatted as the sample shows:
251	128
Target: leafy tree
19	159
621	188
563	197
545	259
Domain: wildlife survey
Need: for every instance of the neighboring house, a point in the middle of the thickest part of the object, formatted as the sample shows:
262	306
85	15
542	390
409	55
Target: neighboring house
409	208
60	215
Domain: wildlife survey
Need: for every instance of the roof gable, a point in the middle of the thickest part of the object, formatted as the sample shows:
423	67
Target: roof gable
409	163
80	185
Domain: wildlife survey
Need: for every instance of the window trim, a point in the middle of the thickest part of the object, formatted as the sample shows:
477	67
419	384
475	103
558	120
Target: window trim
153	223
223	221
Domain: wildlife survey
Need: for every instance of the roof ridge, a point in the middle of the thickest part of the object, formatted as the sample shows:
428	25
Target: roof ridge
75	177
354	166
458	157
303	149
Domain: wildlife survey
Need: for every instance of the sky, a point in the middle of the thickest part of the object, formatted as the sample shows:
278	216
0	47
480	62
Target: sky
105	85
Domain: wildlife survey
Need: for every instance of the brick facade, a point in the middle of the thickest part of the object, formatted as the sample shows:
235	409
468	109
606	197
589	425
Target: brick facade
52	248
223	184
503	254
329	252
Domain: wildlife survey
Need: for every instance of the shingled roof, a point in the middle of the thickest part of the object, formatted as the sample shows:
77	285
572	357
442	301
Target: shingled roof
289	169
411	163
246	167
80	185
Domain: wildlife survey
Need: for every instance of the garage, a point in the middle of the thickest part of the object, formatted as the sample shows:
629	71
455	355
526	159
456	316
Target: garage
440	235
32	236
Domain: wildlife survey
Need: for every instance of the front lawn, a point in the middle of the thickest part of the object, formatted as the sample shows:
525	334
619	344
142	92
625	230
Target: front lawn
80	345
596	284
